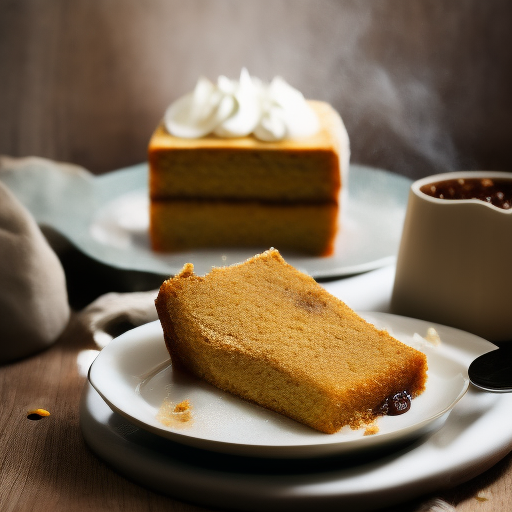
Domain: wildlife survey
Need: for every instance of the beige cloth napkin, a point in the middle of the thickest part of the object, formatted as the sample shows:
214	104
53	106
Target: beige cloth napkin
114	313
34	307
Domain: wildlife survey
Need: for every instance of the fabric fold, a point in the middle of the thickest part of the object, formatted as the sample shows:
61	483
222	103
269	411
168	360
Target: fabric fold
34	306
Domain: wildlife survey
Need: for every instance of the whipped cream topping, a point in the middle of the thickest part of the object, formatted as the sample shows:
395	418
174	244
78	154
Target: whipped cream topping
270	112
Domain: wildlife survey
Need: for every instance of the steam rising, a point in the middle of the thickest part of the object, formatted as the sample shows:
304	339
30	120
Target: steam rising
409	116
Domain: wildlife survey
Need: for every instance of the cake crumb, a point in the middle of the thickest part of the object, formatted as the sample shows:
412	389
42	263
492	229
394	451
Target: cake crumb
37	414
182	406
371	430
171	414
433	336
481	496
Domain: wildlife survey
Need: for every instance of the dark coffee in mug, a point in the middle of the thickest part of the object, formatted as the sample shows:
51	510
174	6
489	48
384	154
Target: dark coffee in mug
497	191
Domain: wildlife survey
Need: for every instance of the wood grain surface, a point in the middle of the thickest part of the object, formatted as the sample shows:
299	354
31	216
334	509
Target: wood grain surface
422	86
46	465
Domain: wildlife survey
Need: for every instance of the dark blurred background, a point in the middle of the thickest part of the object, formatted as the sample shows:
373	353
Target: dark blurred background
423	86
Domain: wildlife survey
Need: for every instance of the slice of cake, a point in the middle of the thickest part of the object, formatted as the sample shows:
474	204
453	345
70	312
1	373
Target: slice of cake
269	334
222	190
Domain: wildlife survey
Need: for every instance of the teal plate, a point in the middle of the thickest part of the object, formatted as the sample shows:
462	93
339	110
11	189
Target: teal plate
106	217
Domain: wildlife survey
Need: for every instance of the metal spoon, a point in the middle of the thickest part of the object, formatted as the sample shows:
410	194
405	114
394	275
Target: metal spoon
493	371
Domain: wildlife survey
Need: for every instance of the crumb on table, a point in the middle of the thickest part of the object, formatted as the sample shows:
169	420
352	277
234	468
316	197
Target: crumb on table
37	414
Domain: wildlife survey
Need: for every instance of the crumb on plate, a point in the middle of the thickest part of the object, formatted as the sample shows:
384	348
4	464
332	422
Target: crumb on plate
171	414
371	429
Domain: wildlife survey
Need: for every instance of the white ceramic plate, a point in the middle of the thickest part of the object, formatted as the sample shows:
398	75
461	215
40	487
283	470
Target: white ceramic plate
106	217
133	375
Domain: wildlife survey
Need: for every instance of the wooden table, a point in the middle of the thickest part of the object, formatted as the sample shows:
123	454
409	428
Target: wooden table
46	465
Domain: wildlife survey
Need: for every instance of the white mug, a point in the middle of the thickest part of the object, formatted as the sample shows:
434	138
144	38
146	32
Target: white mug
454	264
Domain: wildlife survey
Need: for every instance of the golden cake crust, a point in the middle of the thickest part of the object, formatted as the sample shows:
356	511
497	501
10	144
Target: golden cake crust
271	335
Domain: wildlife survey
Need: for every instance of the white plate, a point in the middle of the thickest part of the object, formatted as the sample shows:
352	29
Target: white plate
106	217
475	436
133	375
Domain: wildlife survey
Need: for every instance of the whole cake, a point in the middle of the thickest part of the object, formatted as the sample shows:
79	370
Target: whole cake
269	334
265	170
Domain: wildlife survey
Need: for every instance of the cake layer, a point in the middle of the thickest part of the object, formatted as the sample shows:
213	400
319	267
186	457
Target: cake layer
245	174
182	225
307	169
271	335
